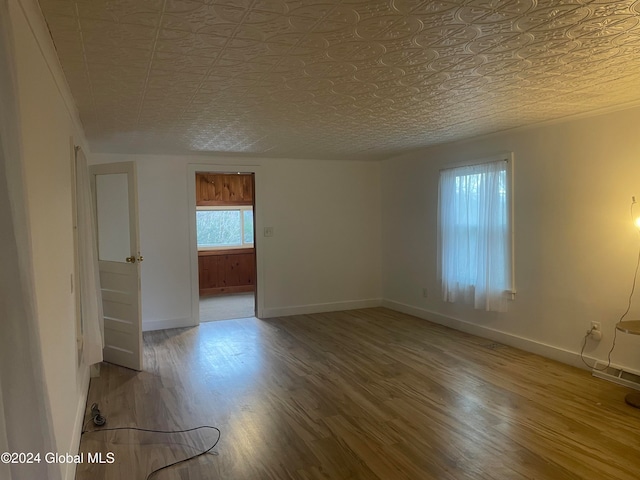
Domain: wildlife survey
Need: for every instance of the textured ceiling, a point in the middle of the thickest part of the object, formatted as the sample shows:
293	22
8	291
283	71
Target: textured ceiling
336	79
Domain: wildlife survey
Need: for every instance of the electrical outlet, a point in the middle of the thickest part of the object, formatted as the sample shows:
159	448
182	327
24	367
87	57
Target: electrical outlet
425	292
595	332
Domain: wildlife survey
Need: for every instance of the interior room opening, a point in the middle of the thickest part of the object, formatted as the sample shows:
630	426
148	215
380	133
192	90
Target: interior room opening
225	205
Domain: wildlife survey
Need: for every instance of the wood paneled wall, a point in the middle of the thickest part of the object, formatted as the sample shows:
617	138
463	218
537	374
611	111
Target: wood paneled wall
214	189
227	271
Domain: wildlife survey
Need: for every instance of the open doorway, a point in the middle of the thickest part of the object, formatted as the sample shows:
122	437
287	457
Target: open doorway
225	237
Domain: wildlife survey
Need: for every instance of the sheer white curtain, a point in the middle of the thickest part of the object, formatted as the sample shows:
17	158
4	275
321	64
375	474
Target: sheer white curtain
89	281
25	415
475	259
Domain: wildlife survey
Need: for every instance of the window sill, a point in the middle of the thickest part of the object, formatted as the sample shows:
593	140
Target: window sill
226	251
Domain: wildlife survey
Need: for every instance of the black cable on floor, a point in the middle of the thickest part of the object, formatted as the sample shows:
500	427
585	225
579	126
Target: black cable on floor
165	431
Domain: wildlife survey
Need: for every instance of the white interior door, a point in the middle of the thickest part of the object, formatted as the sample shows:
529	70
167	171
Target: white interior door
116	204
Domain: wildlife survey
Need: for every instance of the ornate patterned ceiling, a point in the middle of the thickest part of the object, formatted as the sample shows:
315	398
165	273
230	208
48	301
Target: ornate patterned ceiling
336	79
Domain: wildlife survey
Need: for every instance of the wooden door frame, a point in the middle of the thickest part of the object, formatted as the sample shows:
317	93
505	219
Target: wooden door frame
192	169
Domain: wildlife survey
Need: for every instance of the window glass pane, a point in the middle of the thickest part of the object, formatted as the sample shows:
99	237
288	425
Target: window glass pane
248	226
112	204
218	228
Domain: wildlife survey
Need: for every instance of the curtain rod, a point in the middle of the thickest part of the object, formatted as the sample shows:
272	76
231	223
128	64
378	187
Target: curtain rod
462	165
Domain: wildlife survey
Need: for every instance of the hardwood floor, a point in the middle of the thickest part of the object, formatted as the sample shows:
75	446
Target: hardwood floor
366	394
227	307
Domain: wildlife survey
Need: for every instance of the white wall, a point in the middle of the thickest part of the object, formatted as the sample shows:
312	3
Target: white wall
324	255
575	246
48	124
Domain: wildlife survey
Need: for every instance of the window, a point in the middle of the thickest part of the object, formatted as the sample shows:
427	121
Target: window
475	234
224	227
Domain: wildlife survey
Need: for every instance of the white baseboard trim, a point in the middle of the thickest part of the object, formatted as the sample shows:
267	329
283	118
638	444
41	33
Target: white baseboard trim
150	325
74	447
320	308
549	351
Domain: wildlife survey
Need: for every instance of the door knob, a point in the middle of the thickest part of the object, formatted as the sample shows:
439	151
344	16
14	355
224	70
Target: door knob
130	259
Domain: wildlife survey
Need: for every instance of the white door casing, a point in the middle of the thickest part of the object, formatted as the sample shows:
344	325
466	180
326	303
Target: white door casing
258	224
115	199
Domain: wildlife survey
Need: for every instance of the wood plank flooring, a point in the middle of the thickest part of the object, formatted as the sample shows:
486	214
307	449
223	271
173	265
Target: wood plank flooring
365	394
226	307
